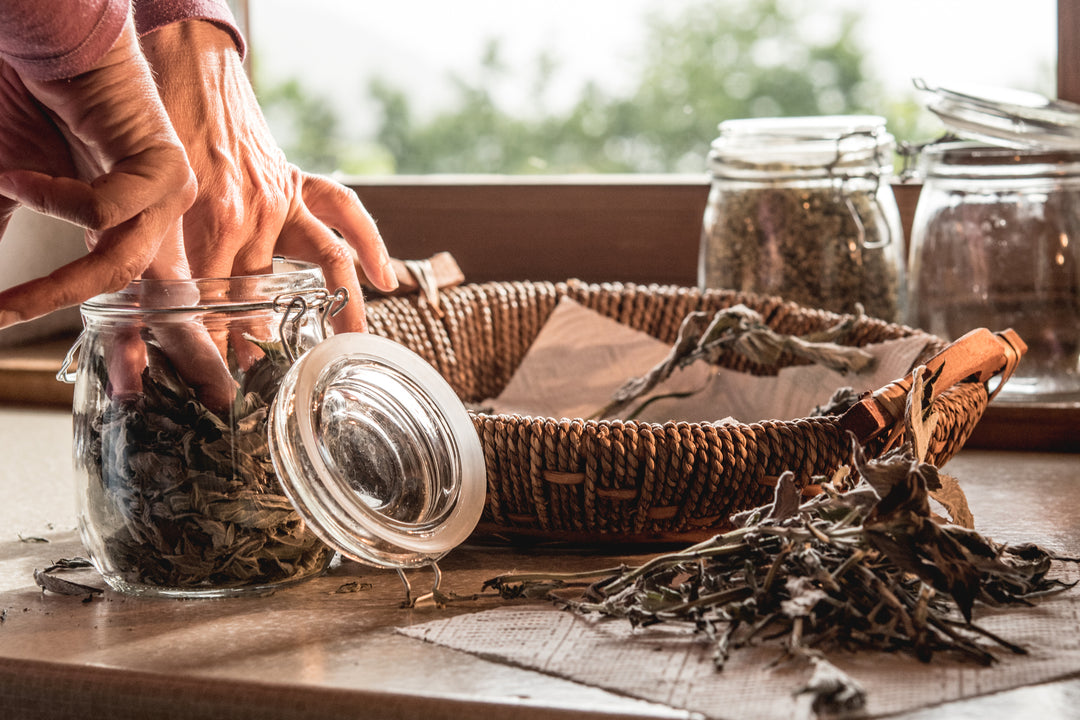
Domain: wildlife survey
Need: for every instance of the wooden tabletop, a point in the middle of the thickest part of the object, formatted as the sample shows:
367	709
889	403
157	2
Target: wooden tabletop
312	652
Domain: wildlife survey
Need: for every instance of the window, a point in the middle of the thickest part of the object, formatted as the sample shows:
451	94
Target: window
631	227
565	86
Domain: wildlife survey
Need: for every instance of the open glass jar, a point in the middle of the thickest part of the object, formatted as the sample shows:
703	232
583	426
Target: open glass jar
349	442
802	208
995	241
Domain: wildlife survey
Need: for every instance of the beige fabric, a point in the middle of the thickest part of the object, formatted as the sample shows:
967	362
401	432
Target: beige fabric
581	357
674	667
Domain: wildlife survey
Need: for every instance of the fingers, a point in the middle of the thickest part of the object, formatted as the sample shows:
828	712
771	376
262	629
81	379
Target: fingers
198	357
197	360
111	198
338	207
125	357
304	237
134	179
119	256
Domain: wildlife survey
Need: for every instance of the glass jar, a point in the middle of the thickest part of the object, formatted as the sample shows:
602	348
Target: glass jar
802	208
349	443
996	243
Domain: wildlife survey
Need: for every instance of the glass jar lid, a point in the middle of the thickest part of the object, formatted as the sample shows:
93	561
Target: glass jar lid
1004	117
377	452
830	144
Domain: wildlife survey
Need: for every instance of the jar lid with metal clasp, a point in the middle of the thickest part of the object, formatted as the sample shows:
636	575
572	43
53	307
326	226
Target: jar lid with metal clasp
377	452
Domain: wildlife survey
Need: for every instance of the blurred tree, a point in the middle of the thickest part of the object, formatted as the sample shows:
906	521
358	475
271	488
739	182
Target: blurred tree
719	59
304	123
308	129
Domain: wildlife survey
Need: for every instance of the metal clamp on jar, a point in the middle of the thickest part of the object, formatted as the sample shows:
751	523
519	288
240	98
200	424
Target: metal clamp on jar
350	442
802	208
996	237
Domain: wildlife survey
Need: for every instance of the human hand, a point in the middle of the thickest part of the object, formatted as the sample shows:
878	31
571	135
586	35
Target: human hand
29	139
105	158
97	172
252	203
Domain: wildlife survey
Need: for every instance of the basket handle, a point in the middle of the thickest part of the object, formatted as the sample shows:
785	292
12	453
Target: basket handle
978	356
423	277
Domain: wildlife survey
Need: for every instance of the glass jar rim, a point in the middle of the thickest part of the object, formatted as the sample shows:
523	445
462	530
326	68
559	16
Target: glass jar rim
209	294
981	160
825	145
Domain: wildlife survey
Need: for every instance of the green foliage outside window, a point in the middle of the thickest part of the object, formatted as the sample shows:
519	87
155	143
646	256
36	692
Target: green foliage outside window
719	59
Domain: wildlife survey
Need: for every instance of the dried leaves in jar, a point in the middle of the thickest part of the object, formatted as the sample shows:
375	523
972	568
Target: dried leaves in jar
187	500
814	245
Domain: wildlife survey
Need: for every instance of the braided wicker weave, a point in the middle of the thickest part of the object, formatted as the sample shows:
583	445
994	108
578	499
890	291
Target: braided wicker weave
596	481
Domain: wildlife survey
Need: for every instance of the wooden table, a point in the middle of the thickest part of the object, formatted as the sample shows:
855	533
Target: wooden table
310	652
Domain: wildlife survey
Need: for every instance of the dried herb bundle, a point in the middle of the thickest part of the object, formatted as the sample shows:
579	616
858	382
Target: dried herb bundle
862	565
742	331
186	499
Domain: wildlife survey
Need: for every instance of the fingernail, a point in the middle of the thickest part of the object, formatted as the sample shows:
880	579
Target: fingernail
389	277
8	317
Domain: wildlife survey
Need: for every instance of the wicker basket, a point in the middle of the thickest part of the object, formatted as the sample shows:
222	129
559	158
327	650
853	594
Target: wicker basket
595	481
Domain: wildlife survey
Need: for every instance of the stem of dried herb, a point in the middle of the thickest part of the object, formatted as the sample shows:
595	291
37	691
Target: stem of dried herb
864	565
742	331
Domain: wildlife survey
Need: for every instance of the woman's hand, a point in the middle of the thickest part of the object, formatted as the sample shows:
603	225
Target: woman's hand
108	160
98	150
252	203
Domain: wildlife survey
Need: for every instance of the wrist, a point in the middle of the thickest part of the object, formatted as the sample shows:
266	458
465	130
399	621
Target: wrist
189	51
201	80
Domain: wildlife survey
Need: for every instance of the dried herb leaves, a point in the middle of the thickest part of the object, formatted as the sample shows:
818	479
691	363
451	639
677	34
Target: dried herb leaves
185	499
818	246
863	565
741	331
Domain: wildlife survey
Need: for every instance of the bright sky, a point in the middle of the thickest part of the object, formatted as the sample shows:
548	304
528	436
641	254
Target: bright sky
336	45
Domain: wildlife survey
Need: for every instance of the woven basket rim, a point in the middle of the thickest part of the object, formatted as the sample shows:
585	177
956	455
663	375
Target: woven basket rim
592	481
933	343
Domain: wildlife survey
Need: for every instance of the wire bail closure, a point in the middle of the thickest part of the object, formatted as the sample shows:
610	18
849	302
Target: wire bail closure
65	374
844	194
294	307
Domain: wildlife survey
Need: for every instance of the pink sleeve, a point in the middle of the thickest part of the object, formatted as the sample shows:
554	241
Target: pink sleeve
151	15
61	38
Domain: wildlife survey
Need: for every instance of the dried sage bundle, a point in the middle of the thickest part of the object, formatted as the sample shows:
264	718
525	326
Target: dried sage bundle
864	565
742	331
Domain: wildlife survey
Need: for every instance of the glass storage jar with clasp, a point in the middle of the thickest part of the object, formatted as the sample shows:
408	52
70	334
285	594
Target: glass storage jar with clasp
197	482
995	241
802	208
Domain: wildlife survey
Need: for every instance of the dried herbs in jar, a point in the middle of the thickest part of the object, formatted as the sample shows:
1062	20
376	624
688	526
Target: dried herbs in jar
195	483
178	494
802	208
